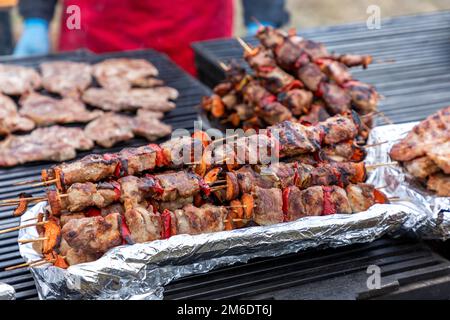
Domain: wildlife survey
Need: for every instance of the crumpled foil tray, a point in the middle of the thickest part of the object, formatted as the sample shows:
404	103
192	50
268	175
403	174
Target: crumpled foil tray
7	292
398	183
140	271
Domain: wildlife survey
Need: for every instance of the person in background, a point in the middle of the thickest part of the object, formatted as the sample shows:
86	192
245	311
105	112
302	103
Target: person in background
117	25
6	44
267	12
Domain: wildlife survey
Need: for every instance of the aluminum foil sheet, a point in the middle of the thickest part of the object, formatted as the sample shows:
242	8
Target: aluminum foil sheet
141	271
398	183
7	292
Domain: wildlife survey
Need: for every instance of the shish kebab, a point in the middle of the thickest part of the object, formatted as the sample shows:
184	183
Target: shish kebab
85	237
294	140
174	189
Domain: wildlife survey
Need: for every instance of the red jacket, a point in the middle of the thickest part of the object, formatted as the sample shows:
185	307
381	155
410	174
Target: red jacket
169	26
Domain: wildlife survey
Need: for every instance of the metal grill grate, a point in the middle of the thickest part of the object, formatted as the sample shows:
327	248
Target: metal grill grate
411	60
183	116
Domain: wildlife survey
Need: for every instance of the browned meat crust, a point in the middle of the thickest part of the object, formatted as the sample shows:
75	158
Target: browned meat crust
10	120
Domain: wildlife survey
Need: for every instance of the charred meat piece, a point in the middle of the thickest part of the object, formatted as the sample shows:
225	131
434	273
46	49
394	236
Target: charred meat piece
353	60
74	256
177	204
311	75
17	80
94	235
10	120
273	113
137	160
179	150
193	220
315	50
430	132
298	101
338	129
343	151
313	201
66	217
123	73
131	192
364	96
440	183
335	70
268	206
421	167
45	110
337	100
144	225
317	114
113	208
67	78
154	99
110	129
51	144
295	138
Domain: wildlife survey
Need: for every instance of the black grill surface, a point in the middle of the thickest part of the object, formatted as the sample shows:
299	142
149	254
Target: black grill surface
411	66
183	116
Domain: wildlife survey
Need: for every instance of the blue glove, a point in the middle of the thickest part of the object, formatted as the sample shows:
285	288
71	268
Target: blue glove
253	27
34	39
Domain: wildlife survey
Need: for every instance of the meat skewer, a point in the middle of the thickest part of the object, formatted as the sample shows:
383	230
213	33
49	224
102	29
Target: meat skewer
84	239
294	139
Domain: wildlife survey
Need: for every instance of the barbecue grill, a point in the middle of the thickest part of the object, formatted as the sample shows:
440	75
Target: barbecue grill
409	268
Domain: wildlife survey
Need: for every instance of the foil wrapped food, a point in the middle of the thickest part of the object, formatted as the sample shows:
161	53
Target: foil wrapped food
142	270
7	292
396	182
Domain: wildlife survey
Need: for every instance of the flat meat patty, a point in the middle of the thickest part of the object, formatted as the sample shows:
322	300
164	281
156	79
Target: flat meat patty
123	73
45	110
52	144
433	131
10	120
440	183
110	129
69	79
154	99
16	80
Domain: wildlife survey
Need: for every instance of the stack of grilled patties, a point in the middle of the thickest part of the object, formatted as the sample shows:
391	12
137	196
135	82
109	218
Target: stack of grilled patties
425	152
130	101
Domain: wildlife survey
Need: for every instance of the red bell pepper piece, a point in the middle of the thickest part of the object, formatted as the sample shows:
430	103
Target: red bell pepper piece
166	223
161	159
285	195
93	212
328	205
125	231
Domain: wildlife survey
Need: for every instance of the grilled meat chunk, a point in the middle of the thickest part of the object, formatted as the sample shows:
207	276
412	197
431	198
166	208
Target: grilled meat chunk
67	78
364	96
295	138
144	225
10	120
311	75
421	167
337	100
113	208
433	131
440	183
154	99
17	80
90	168
360	196
45	110
83	195
131	194
94	235
177	204
137	160
268	206
123	73
178	185
74	256
193	220
313	201
52	143
338	129
298	101
440	154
